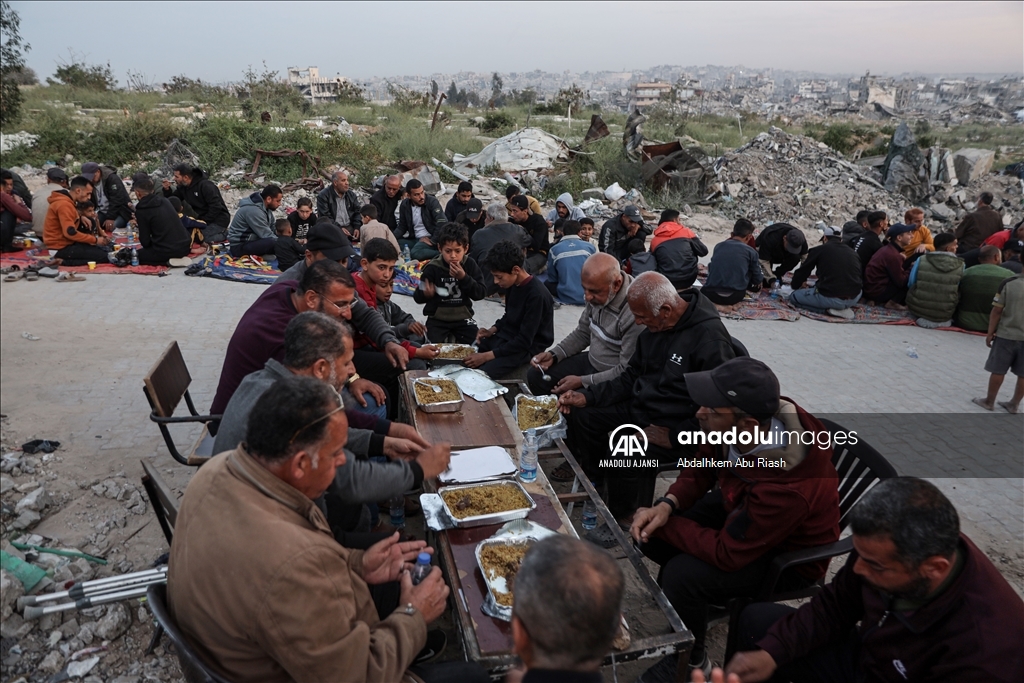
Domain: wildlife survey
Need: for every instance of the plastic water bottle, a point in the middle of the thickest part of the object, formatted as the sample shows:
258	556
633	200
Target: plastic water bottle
406	254
589	515
912	352
422	568
135	257
396	507
528	458
775	289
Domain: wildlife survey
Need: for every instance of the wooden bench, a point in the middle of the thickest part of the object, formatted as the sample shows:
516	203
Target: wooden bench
165	385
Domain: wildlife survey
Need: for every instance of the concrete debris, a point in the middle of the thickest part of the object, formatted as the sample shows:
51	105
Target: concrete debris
37	501
523	150
80	669
794	179
422	172
114	624
903	170
52	662
26	520
972	164
20	139
10	590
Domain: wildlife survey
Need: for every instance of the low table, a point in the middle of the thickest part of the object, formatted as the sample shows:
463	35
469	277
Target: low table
488	640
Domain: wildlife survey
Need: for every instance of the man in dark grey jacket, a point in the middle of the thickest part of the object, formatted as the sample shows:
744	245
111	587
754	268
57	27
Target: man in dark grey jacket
315	345
496	229
419	217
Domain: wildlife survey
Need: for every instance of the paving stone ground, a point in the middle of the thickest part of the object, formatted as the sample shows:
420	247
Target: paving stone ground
81	384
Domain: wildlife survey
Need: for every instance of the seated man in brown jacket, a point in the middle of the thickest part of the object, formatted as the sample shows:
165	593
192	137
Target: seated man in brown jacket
259	586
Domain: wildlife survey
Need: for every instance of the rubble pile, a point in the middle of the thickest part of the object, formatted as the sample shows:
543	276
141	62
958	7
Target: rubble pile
101	644
798	180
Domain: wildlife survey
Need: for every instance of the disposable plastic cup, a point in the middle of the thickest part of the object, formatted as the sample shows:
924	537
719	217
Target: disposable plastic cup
92	265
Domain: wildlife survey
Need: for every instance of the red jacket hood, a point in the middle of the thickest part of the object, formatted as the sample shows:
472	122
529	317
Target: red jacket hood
670	231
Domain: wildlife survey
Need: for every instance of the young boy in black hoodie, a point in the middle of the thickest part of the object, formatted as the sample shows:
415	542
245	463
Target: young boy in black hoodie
287	250
528	326
449	284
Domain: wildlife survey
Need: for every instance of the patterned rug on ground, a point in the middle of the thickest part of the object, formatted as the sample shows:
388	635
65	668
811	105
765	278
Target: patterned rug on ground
761	308
26	258
244	269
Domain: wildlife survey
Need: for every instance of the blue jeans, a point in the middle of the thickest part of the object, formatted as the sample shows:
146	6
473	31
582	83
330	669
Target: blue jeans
810	299
378	411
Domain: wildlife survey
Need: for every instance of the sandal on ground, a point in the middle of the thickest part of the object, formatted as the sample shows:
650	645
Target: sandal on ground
69	277
10	269
562	473
31	275
13	276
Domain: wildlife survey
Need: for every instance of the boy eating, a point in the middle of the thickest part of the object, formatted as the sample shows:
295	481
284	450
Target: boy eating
528	326
378	268
402	324
286	248
449	284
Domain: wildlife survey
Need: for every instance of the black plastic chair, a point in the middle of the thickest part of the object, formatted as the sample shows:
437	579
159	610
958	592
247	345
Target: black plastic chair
192	667
859	468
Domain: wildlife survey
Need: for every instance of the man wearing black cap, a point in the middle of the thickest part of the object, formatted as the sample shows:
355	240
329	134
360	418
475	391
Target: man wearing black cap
56	180
109	195
885	278
473	216
783	244
323	241
776	491
839	277
537	228
617	232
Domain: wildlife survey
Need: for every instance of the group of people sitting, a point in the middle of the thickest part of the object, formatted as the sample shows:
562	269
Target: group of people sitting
313	596
944	279
76	218
309	449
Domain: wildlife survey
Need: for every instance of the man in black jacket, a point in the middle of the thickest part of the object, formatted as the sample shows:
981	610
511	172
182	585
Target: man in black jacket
684	333
203	195
419	217
868	242
341	205
387	199
617	232
161	233
528	326
537	228
496	229
108	195
839	277
783	244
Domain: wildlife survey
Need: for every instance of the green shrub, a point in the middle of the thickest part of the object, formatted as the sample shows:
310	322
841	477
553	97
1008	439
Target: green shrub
498	122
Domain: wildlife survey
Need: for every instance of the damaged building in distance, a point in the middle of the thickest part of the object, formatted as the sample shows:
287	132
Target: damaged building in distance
315	88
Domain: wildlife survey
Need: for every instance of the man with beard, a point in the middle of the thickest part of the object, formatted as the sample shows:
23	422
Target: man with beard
203	197
537	228
916	601
326	287
387	199
340	204
419	217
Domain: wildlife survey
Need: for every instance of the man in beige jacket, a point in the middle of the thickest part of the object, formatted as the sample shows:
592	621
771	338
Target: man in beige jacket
258	584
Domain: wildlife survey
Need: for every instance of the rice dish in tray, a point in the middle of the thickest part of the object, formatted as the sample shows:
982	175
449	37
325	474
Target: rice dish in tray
484	500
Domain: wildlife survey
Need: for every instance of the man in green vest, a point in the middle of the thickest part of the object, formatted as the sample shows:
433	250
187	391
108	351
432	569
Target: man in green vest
935	283
977	287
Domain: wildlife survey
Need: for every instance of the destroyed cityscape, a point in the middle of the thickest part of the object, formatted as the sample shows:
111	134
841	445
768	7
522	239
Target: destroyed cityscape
715	143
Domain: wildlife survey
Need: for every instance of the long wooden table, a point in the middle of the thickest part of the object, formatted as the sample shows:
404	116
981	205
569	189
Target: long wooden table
488	640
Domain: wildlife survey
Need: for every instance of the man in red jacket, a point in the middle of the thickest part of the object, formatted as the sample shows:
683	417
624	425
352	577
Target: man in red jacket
916	601
777	491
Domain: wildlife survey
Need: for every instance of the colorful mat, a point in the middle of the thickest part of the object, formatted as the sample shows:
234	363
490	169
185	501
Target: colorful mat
407	277
26	258
244	269
761	308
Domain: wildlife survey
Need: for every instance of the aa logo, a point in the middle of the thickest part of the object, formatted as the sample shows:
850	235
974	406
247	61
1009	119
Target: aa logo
628	440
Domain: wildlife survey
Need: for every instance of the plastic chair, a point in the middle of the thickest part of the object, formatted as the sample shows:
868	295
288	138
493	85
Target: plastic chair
859	468
192	667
